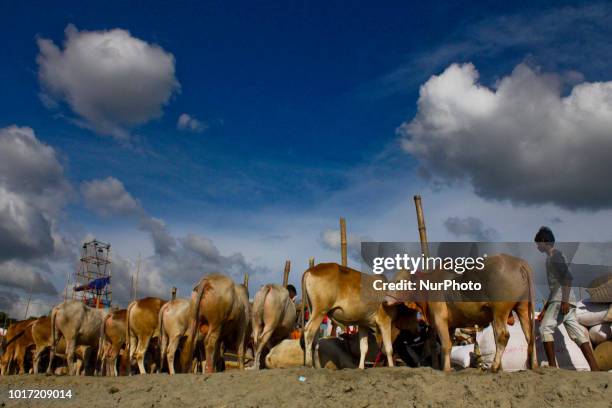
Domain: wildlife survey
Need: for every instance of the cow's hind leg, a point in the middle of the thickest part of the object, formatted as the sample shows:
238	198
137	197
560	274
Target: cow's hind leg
21	362
114	357
257	333
523	312
170	352
261	344
363	345
141	350
310	331
164	353
500	331
70	348
212	348
37	358
442	330
384	327
241	346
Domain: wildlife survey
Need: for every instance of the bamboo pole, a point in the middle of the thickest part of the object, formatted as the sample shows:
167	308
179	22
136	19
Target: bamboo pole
132	288
136	280
421	225
246	280
311	264
286	273
66	288
343	242
29	300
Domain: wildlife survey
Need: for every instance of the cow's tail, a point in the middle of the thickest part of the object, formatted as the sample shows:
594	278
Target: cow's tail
127	336
303	312
277	316
18	335
53	348
101	340
193	326
531	293
160	324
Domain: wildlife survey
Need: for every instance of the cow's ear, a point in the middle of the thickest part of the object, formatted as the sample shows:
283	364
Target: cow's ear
412	305
391	301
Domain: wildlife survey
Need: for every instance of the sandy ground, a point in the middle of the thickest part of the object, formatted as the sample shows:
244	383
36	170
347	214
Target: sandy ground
397	387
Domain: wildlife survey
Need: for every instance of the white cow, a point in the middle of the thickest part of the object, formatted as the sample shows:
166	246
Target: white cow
173	325
80	325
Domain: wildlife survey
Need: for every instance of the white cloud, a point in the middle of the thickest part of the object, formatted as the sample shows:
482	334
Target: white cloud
109	197
163	242
23	276
110	79
33	191
532	33
178	261
190	123
522	140
470	227
330	239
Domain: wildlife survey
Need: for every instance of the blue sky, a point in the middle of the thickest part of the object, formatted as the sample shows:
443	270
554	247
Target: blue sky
298	109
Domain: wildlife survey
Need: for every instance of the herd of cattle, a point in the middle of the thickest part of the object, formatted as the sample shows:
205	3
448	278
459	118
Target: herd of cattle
218	322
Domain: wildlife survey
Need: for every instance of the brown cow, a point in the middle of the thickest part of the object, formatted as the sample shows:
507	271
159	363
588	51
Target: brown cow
335	290
80	325
273	318
18	341
173	325
112	338
41	334
503	277
142	326
223	306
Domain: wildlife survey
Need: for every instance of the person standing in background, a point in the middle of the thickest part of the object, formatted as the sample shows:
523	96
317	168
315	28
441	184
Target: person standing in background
561	304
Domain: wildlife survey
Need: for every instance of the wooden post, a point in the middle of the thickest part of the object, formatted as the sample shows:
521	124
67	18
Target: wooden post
136	280
29	300
343	241
286	273
173	292
421	224
302	311
246	280
132	288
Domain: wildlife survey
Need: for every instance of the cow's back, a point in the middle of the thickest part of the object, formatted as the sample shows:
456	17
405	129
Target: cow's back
217	302
343	290
114	328
174	316
144	315
41	331
76	320
505	281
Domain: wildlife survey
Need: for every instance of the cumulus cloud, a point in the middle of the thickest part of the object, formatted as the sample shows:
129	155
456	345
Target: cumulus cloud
163	242
521	141
110	79
190	123
33	191
470	227
330	239
23	276
109	197
183	259
15	305
150	280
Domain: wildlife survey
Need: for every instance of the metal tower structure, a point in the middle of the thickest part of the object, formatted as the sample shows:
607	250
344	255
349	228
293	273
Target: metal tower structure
92	280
